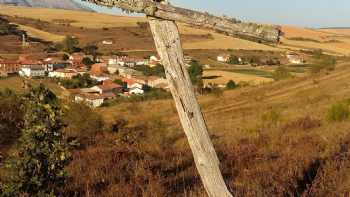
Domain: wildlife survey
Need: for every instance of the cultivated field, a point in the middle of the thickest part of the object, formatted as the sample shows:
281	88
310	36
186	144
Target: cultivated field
220	77
192	38
75	18
332	41
43	35
345	31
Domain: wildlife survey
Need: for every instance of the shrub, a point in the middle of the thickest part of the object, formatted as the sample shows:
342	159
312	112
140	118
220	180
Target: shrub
82	128
303	123
195	71
338	112
231	85
233	60
38	166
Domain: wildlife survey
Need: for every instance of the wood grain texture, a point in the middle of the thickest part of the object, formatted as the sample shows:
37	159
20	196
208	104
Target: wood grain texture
168	44
229	26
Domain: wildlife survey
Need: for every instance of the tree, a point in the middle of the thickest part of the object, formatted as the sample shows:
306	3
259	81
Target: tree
38	168
231	85
70	44
11	117
87	62
91	50
65	57
195	71
233	60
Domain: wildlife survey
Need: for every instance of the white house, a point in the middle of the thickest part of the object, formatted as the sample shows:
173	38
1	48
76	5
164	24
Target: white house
295	59
100	78
63	73
223	58
90	99
136	90
155	58
107	42
32	71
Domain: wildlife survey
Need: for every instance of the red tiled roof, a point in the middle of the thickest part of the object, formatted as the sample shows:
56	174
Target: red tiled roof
98	69
129	81
8	61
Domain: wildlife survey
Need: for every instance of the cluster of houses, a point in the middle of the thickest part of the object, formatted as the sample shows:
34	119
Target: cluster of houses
30	66
106	70
293	58
122	69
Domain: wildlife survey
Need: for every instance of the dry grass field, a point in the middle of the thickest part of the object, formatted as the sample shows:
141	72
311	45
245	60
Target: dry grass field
297	32
345	31
287	138
192	38
273	140
15	83
222	77
331	41
75	18
36	33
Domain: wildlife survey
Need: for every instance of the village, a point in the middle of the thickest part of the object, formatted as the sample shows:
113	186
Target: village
110	76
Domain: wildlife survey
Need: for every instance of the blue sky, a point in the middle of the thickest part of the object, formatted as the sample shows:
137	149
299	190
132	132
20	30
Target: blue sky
308	13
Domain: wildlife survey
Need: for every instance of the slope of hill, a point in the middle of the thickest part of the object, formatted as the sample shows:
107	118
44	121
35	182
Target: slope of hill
61	4
270	138
126	28
332	41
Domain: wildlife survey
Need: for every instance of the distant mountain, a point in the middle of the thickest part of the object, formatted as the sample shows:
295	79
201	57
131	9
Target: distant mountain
335	28
59	4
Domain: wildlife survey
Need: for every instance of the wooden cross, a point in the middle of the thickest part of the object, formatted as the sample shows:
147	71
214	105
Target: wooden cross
162	17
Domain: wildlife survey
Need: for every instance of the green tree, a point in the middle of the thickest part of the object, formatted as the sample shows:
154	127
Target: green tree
231	85
65	57
233	60
87	62
195	71
38	167
91	50
70	44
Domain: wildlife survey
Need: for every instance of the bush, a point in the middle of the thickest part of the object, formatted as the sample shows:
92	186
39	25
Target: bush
304	123
82	128
231	85
195	71
87	62
233	60
338	112
38	165
158	70
79	81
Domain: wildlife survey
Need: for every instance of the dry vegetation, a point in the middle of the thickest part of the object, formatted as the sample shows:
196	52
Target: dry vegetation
273	140
276	139
222	77
332	41
36	33
86	25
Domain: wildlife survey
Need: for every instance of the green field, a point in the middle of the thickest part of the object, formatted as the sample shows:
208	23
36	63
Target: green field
251	71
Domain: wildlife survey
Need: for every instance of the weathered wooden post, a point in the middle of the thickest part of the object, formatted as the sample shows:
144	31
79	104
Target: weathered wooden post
167	40
166	35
